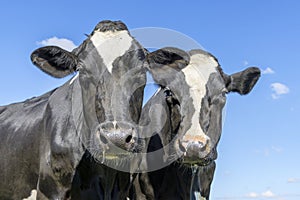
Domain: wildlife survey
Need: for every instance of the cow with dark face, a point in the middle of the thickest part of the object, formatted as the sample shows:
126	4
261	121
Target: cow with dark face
94	114
193	96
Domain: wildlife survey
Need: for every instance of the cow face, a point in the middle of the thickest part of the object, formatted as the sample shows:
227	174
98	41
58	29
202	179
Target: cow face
109	82
195	83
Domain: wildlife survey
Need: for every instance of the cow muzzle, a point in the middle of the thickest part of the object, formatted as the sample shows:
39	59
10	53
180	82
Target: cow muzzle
196	151
118	137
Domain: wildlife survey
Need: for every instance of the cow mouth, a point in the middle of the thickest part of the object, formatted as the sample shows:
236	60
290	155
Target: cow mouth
196	157
111	157
115	143
110	152
122	162
199	163
103	155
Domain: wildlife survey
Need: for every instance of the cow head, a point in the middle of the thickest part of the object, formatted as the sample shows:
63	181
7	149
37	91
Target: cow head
108	87
195	88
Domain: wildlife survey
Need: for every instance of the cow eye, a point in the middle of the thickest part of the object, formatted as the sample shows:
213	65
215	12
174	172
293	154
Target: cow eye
224	92
171	97
168	93
209	101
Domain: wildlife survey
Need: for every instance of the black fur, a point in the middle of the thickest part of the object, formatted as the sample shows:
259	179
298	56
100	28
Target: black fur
108	25
54	61
243	82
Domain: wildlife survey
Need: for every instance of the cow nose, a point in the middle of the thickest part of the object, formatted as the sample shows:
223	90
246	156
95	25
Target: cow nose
120	134
195	149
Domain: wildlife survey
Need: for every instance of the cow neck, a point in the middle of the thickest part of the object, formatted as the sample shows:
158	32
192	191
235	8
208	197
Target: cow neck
195	185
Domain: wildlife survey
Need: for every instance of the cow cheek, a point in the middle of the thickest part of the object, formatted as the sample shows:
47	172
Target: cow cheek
99	111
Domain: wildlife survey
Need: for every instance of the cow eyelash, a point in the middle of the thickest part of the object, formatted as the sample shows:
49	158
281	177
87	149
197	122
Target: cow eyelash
168	93
171	97
224	92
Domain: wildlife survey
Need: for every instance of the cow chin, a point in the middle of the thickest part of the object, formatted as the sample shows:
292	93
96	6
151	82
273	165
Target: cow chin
198	158
189	161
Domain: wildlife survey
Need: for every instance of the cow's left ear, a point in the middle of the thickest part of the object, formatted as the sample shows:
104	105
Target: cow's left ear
243	82
54	61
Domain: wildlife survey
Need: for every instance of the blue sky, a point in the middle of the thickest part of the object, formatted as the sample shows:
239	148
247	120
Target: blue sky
259	148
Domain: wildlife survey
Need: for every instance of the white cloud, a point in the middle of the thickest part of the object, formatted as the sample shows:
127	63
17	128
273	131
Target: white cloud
266	152
279	89
268	194
268	70
227	173
245	63
293	180
252	195
269	150
61	42
277	149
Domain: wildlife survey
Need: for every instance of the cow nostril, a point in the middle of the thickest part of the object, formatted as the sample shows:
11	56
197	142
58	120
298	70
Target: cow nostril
181	147
103	139
201	144
128	139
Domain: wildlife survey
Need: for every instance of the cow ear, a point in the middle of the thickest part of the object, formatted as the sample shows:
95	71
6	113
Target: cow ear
54	61
164	62
173	57
243	82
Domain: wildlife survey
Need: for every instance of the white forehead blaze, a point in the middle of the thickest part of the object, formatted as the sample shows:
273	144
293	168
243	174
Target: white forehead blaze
111	45
197	74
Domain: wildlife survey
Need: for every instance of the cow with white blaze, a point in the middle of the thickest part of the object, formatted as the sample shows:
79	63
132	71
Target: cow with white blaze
95	114
192	95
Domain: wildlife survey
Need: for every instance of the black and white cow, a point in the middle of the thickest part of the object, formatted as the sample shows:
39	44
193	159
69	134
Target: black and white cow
175	180
193	97
43	139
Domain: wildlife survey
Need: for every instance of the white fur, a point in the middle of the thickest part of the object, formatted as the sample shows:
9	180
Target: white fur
197	74
74	78
114	123
111	45
32	195
157	91
198	196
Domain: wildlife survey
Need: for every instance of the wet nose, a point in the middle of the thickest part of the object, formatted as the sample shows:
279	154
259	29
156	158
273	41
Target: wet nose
120	134
195	148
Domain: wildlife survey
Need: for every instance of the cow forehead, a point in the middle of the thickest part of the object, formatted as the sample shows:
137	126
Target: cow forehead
201	65
111	45
197	75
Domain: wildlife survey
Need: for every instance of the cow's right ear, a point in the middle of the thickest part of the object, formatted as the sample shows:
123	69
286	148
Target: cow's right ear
163	63
54	61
